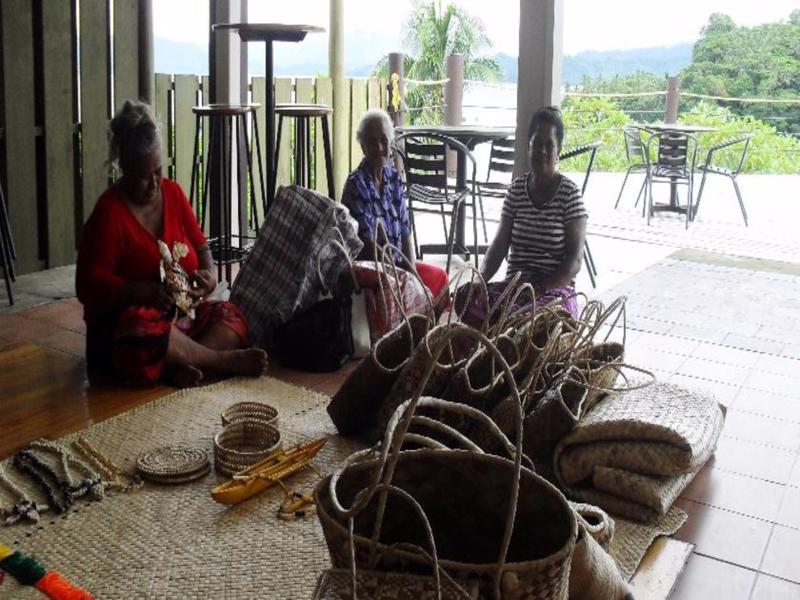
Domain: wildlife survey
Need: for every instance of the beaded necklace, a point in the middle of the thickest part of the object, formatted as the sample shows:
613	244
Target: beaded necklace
46	478
91	481
115	476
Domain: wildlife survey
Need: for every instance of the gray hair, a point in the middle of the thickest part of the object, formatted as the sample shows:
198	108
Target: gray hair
375	114
132	134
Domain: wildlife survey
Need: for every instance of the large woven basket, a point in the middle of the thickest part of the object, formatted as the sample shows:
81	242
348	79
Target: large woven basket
242	444
467	522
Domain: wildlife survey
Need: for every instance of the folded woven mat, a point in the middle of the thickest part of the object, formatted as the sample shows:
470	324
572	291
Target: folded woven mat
635	451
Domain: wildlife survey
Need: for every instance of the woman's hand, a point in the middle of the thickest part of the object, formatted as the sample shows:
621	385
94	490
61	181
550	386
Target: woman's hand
204	283
149	293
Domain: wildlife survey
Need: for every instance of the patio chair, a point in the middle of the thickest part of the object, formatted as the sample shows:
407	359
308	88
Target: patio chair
637	162
709	167
574	152
424	160
676	155
501	161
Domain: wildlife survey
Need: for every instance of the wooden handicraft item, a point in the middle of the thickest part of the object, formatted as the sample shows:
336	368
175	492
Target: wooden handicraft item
175	277
267	473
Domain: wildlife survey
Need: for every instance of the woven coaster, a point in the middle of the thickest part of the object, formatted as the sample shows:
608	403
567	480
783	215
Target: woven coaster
173	464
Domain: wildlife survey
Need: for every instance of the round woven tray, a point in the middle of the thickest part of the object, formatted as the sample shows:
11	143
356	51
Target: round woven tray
250	411
242	444
173	464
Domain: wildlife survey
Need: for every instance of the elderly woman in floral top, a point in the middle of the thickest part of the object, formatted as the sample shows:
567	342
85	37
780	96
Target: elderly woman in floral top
374	192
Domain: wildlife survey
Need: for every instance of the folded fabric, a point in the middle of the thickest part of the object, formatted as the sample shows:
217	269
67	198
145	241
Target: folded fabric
635	451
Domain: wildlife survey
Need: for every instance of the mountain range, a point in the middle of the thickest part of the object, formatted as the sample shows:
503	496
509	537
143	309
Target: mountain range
364	49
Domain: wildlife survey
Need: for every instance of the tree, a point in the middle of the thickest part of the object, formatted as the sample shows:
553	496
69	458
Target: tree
640	108
431	34
761	61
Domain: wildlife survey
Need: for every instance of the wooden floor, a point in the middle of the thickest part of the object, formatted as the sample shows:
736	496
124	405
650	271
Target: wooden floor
44	393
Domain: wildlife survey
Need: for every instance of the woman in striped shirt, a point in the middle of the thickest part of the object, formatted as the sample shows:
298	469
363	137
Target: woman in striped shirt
543	224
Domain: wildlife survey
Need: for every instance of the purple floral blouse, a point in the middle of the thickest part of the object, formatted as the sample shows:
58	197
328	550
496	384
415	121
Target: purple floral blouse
366	205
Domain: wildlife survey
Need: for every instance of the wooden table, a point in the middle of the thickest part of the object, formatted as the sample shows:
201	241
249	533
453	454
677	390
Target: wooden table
269	33
680	129
470	136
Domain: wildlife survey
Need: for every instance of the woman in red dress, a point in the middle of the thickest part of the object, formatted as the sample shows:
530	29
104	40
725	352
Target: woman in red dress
132	333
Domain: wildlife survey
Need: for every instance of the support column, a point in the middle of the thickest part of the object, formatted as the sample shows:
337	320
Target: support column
146	51
228	84
541	25
341	95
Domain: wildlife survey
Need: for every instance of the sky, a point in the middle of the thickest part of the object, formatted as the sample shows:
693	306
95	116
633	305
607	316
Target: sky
588	24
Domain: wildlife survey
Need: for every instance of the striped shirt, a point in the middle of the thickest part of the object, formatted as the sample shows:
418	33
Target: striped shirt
538	239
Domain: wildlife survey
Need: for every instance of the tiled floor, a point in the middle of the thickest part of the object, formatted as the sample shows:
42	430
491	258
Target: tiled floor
725	329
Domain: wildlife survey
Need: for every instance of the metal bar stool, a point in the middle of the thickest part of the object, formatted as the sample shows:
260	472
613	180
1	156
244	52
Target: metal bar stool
8	254
223	120
304	113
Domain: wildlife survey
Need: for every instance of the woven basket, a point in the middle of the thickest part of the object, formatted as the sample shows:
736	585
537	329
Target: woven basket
476	516
242	444
593	573
354	408
600	365
467	522
250	411
337	584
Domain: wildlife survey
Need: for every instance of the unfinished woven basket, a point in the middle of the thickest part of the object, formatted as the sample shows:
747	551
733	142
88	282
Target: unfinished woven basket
242	444
250	411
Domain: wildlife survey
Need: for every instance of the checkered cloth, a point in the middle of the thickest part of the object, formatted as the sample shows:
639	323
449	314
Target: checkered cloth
279	278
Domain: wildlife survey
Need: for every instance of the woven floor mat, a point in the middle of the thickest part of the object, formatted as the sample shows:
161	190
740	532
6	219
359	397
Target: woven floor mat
176	542
632	539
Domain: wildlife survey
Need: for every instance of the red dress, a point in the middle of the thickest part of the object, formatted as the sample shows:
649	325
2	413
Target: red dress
131	341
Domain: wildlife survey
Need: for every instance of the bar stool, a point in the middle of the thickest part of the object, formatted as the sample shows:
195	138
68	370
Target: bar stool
304	113
8	254
223	120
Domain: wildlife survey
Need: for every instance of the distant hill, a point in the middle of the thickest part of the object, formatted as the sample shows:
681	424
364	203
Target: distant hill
669	59
365	49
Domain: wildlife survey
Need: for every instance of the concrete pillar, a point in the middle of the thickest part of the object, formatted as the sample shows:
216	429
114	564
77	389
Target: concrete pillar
341	96
146	52
673	99
541	24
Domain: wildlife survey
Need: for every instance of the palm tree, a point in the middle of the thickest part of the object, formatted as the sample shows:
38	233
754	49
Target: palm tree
430	35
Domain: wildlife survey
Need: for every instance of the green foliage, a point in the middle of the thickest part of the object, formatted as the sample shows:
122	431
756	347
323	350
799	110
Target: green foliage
642	108
761	61
588	120
431	34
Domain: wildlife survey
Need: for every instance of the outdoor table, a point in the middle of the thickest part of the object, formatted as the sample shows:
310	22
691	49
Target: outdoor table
678	128
269	33
470	136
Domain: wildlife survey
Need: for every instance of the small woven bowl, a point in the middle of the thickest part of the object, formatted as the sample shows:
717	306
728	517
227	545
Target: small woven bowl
250	411
242	444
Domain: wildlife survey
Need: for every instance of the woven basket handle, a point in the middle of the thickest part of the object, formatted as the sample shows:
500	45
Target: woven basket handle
341	245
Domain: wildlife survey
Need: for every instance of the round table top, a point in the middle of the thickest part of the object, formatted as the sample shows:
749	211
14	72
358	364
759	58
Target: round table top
461	131
679	127
225	109
302	110
268	32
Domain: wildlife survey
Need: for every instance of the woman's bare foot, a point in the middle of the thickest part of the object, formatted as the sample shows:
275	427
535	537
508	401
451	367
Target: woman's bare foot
184	376
249	361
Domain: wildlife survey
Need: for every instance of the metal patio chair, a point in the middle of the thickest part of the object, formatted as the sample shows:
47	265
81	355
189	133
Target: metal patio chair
709	167
637	162
424	158
501	161
572	153
676	155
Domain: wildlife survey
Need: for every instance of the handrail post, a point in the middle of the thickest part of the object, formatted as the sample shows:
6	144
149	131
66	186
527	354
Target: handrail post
673	99
396	88
453	99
